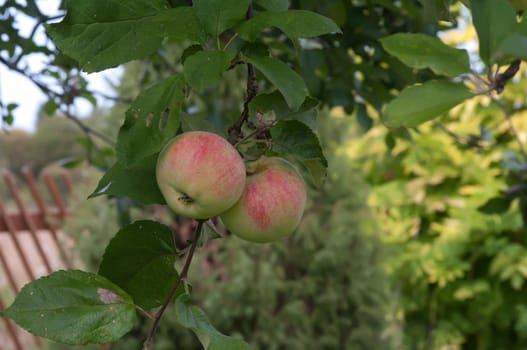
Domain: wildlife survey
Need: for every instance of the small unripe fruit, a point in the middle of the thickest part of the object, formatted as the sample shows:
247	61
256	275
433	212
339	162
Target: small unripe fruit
200	174
271	205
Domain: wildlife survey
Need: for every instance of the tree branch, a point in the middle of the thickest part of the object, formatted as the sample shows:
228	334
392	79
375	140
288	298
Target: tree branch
148	344
51	94
88	130
235	131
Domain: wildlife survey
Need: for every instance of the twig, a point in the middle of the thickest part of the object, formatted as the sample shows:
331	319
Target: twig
88	130
500	79
462	140
497	81
479	78
147	345
53	94
144	312
259	130
46	90
230	41
235	131
109	97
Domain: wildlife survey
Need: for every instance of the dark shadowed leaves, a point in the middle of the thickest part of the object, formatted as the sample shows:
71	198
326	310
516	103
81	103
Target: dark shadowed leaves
294	23
288	82
275	102
204	69
140	259
293	138
137	183
218	15
494	21
151	121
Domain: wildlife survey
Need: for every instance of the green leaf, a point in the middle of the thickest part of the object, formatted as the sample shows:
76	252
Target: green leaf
436	10
294	23
288	82
494	21
496	205
11	107
365	121
216	16
424	51
208	232
272	5
420	103
274	102
204	69
140	259
194	318
294	138
73	307
137	182
513	47
100	34
151	121
317	171
50	107
189	51
8	119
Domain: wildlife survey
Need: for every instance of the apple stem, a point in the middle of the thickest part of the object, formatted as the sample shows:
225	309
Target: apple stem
149	342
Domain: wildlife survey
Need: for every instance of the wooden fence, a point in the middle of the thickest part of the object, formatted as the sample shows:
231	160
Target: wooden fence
30	244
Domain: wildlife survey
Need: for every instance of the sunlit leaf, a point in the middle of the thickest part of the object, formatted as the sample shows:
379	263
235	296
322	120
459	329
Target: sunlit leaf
420	103
424	51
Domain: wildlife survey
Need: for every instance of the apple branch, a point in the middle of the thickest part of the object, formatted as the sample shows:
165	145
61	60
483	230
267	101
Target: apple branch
149	342
235	131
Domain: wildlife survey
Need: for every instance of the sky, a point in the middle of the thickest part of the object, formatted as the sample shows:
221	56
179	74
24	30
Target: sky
15	88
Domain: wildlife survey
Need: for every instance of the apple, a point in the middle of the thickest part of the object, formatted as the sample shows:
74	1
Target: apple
272	203
200	174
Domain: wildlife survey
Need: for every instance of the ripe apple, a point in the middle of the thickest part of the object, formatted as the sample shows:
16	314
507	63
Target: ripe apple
200	174
272	203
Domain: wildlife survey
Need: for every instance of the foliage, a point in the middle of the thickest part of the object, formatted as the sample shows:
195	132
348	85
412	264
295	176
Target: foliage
299	281
19	148
99	35
450	194
14	149
458	252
